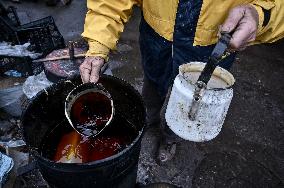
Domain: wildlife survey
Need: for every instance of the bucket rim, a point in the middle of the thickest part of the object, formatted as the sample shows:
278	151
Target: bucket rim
198	66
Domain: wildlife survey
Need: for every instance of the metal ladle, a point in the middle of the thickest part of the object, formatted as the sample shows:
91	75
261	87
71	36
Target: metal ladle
91	130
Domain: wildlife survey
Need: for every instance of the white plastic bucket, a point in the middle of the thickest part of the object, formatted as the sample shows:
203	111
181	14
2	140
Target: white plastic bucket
212	108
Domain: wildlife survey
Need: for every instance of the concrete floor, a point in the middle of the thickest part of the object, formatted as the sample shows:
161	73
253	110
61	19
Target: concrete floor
249	150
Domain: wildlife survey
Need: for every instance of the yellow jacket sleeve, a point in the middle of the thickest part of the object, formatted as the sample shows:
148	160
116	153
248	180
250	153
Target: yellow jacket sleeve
104	22
274	30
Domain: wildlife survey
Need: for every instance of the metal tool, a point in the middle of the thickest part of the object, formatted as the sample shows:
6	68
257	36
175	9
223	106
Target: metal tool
71	56
58	58
75	94
218	53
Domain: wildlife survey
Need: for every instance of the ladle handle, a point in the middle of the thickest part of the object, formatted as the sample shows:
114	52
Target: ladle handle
104	68
216	56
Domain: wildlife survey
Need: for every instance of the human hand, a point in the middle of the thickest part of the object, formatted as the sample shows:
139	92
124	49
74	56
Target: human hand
243	22
90	69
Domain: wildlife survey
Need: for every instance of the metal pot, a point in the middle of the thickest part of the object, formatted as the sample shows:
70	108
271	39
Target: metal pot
210	110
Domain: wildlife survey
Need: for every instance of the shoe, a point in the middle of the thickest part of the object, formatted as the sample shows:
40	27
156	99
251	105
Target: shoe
166	151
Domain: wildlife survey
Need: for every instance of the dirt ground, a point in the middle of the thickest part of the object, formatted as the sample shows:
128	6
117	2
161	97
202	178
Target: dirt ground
249	151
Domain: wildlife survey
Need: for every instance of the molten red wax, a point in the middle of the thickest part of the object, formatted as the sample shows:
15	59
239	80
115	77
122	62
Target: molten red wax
91	111
74	148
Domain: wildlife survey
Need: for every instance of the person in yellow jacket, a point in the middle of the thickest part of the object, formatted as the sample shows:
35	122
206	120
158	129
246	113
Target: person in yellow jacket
173	32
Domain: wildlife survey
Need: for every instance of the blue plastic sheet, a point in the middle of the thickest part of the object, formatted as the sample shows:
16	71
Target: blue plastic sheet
6	165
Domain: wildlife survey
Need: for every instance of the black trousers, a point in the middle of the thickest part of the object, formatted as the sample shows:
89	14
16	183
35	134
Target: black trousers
156	108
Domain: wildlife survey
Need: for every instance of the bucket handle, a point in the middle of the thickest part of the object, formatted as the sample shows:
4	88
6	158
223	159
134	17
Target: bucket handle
197	96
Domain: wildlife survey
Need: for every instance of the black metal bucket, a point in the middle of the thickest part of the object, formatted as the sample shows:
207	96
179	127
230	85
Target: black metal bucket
46	110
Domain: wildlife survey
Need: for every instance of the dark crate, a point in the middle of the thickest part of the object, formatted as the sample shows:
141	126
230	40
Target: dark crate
43	34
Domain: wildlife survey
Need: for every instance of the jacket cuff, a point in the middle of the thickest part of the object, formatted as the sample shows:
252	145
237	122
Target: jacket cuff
260	6
97	49
260	17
